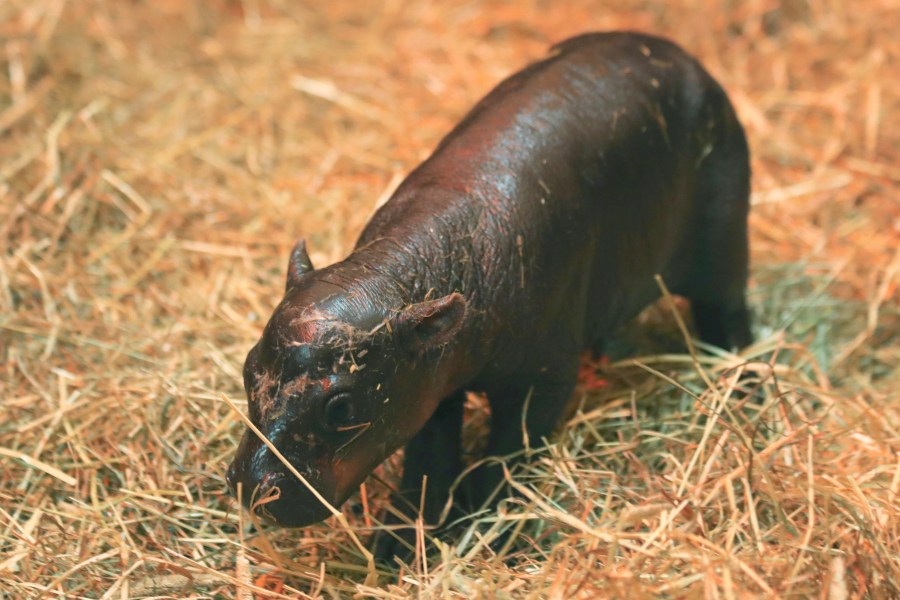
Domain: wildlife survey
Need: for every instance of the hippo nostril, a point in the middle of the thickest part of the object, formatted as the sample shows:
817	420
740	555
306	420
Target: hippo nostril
267	481
267	486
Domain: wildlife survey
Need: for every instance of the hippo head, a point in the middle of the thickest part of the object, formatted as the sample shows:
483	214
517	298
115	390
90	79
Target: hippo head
338	382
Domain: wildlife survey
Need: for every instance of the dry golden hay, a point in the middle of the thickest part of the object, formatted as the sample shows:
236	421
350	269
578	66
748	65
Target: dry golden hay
157	161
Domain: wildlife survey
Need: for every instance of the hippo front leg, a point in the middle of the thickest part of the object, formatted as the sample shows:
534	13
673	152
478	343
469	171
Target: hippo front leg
433	458
542	401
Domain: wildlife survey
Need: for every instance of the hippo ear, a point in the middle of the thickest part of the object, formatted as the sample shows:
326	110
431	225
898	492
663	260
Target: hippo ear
431	323
299	265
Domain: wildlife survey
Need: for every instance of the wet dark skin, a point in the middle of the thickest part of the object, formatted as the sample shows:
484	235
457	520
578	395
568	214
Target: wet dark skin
532	232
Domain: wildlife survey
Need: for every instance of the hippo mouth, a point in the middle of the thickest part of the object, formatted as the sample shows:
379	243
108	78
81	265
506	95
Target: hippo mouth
281	499
273	493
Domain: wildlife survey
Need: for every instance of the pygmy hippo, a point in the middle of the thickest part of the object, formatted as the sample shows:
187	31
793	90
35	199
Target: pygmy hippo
532	232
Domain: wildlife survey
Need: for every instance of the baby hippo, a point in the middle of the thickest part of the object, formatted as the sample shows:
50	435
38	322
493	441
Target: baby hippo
533	231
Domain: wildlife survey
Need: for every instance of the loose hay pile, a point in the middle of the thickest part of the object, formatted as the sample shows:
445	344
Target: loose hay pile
157	161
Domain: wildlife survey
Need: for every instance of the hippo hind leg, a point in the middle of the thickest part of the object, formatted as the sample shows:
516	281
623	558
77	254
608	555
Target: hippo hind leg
723	325
719	258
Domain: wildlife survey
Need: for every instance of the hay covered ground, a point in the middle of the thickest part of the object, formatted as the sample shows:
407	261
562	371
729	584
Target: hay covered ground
157	161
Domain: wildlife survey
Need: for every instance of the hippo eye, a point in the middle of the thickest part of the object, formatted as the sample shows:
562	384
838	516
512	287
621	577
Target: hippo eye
339	412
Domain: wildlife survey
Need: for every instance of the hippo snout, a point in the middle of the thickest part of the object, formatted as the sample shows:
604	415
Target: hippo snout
277	494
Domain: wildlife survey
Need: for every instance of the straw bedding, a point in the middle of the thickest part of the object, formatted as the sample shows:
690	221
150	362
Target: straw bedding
157	162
